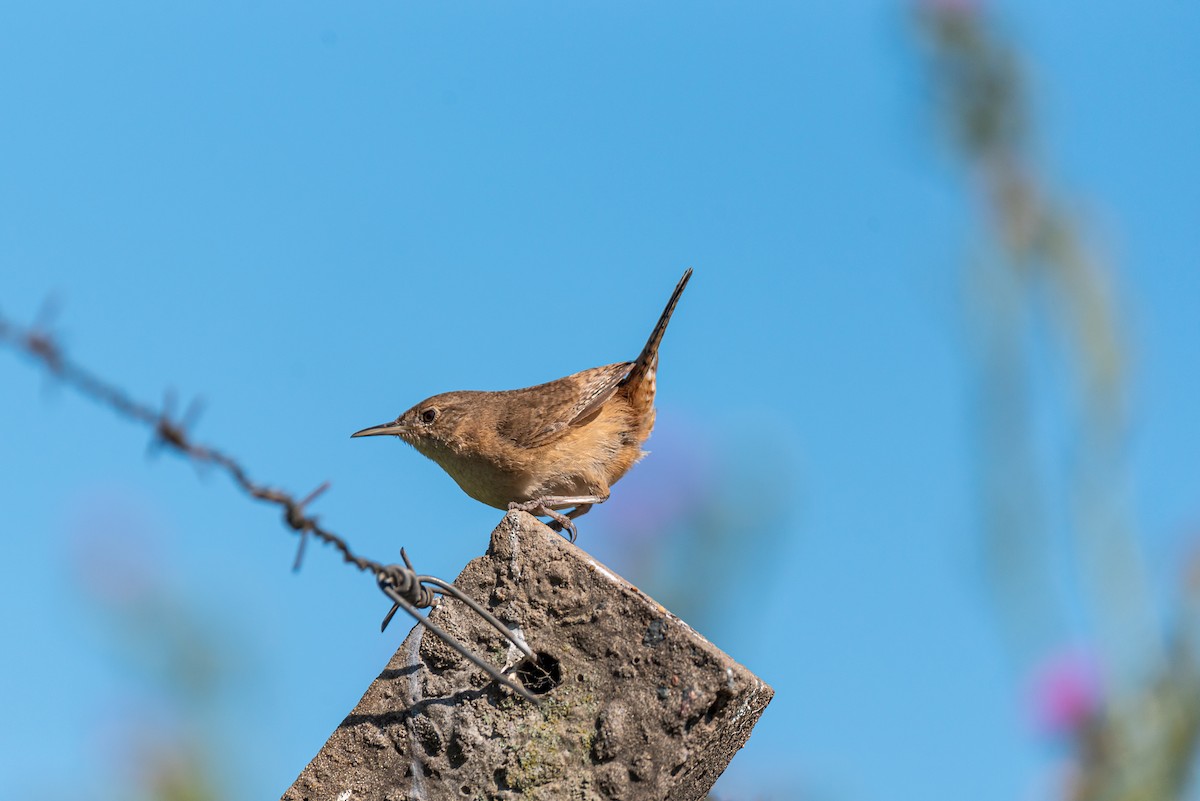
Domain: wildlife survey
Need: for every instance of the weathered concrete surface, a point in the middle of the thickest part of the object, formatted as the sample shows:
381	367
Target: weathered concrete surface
647	709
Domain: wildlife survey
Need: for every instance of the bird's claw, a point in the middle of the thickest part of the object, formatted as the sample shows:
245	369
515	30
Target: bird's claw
558	521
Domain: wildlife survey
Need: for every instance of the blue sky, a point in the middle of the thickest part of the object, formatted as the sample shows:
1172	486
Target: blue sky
314	215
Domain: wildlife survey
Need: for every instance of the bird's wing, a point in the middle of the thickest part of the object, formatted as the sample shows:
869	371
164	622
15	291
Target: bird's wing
549	410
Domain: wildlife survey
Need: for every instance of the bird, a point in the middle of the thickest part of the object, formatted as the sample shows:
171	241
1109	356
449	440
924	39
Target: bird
546	448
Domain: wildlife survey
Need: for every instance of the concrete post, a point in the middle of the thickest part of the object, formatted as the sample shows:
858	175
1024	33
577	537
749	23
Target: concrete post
634	704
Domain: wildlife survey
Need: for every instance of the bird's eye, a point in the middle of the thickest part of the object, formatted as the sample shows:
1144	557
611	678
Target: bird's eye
429	415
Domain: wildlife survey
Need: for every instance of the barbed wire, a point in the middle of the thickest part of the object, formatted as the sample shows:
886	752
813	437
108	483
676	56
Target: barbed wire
400	583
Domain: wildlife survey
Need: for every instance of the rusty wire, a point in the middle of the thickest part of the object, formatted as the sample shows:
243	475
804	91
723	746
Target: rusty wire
400	583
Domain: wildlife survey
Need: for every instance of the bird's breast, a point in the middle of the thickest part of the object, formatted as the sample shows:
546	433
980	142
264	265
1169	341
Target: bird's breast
482	477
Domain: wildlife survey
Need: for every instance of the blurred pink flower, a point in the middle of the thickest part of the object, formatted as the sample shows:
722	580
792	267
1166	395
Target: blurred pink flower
1066	692
666	487
114	548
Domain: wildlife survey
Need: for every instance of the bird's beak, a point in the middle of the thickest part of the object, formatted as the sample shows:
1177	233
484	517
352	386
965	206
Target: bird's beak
394	428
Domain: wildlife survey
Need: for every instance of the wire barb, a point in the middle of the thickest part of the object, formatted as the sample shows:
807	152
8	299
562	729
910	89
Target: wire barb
402	585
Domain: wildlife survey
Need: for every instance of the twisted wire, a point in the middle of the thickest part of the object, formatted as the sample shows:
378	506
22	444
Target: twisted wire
400	583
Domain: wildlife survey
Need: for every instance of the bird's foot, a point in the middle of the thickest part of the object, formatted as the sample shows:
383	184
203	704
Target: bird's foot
558	520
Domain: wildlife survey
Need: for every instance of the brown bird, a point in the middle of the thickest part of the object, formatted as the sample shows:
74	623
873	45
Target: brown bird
544	448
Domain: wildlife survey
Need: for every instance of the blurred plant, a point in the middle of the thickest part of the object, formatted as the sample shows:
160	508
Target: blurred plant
698	520
163	650
1038	283
1142	745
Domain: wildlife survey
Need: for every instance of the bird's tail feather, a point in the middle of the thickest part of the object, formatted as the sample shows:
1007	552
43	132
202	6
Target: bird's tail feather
647	361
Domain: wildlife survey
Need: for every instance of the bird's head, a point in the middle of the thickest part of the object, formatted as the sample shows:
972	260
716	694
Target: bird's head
433	426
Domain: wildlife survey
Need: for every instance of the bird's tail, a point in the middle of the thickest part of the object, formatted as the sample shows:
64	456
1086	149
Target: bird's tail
647	361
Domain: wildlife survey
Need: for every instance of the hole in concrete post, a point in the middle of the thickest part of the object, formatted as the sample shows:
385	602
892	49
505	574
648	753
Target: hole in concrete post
541	674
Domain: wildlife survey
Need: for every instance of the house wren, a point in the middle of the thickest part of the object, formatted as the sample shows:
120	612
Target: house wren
545	448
